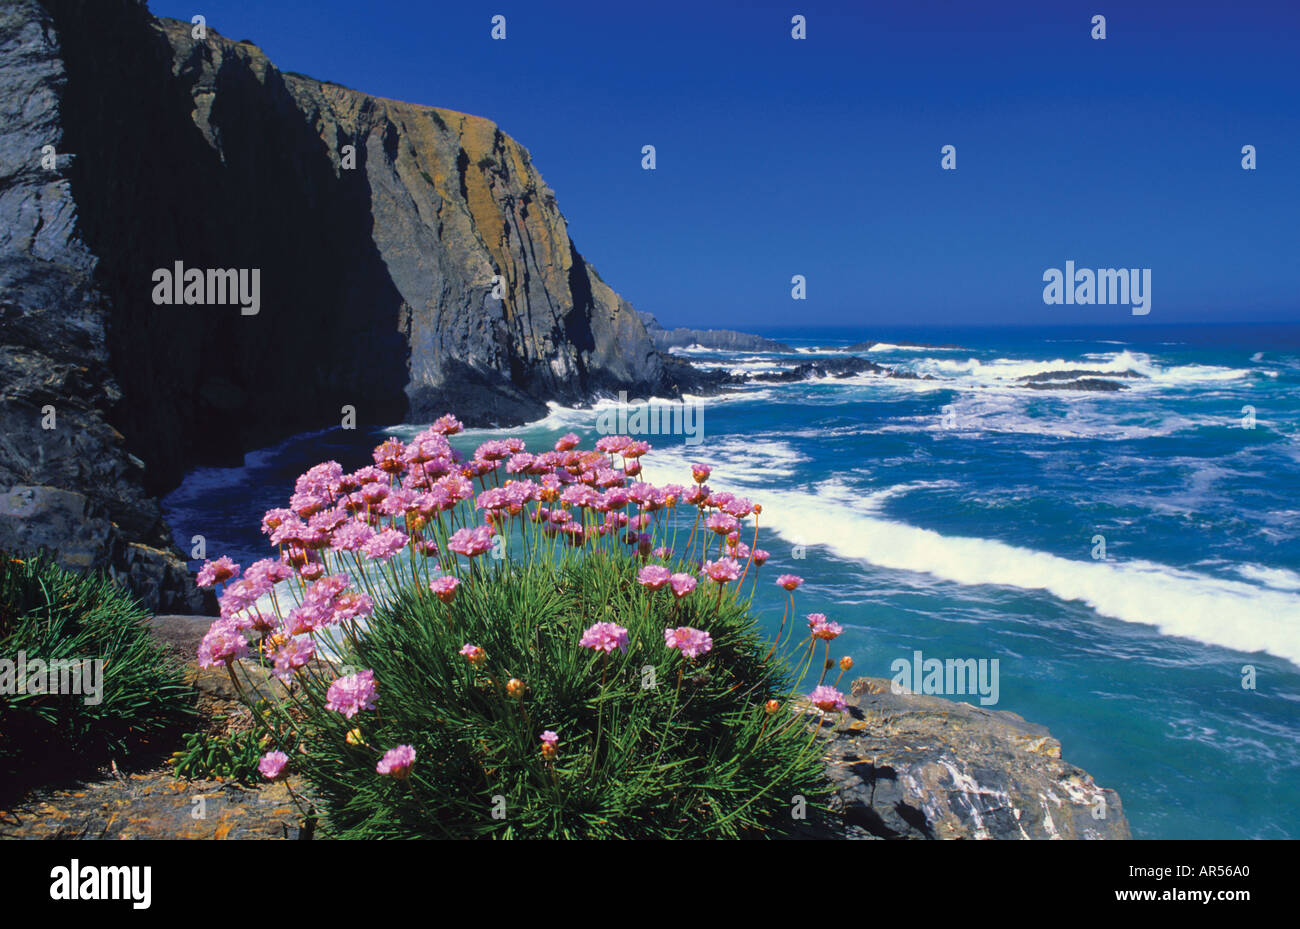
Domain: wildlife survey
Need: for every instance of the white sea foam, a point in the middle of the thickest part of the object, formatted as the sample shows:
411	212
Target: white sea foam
1216	611
1277	578
891	347
1006	371
1084	416
1219	612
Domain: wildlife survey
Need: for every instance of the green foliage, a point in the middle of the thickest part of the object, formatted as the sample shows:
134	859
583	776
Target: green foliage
650	744
235	755
50	614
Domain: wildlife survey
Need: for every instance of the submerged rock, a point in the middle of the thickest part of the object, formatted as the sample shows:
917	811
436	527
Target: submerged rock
1084	383
1075	374
911	766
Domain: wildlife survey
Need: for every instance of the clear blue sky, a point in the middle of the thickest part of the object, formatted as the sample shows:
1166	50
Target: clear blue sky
821	157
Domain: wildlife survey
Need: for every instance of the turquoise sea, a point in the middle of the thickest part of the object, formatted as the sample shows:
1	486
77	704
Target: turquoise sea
961	514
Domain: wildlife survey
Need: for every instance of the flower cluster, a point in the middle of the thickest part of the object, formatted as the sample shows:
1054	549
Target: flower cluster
350	543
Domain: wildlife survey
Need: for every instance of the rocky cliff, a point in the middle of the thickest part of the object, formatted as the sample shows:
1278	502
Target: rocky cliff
67	479
411	261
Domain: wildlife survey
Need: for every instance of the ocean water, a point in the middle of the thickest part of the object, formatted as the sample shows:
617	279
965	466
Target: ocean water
961	516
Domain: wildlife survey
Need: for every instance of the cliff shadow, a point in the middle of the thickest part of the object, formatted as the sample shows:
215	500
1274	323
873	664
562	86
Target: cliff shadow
202	384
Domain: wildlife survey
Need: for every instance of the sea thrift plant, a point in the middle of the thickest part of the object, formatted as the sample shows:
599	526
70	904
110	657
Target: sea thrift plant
460	605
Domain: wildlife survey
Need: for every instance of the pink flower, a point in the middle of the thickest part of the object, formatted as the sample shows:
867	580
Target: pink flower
566	442
348	695
352	604
223	644
682	584
384	545
654	577
827	699
445	587
214	572
327	602
390	456
605	637
789	581
722	571
696	495
319	479
237	597
821	629
473	654
760	557
292	655
739	507
549	742
471	542
612	444
721	523
397	762
700	472
265	574
274	519
446	425
311	570
272	765
690	642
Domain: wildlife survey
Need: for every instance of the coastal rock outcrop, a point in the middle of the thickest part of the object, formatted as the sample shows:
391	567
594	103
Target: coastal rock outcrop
911	766
725	340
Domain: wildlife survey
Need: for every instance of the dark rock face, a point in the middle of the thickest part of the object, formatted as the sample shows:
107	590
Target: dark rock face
67	482
377	280
411	262
910	766
726	340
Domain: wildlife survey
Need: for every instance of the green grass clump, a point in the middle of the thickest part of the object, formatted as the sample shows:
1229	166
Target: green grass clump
206	755
651	745
51	614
